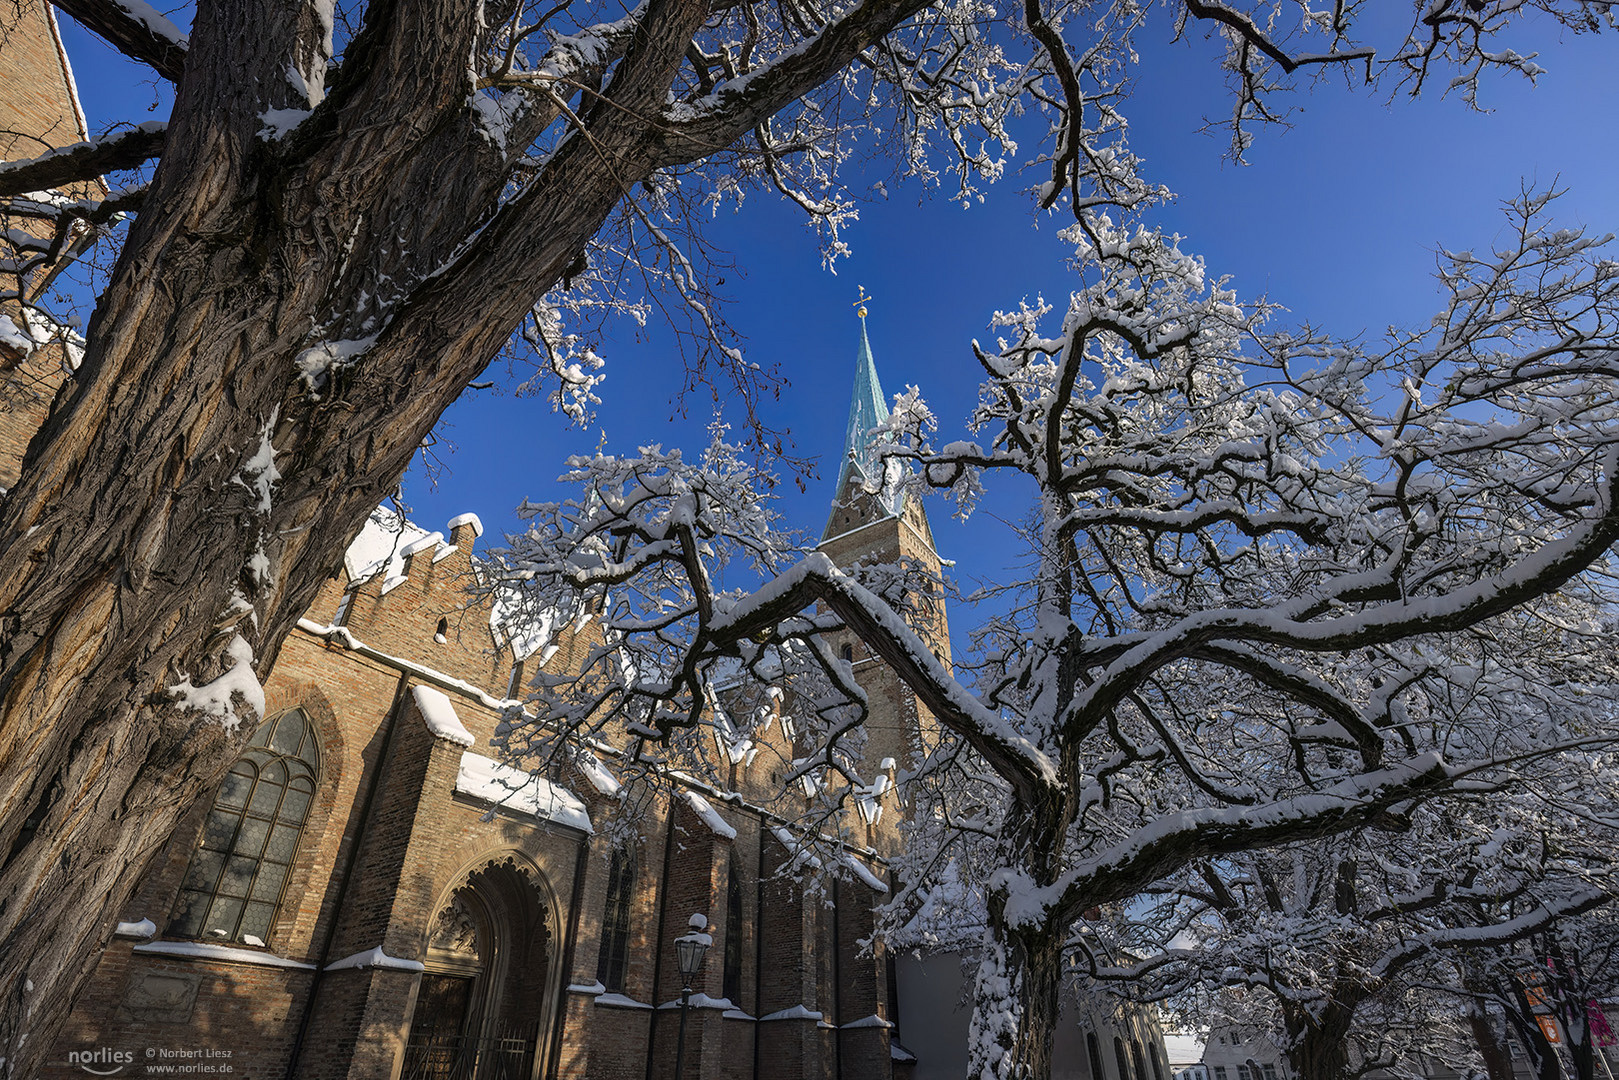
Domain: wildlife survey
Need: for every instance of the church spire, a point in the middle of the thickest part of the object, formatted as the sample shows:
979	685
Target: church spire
867	408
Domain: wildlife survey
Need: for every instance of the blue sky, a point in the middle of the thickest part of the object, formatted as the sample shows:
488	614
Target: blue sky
1337	219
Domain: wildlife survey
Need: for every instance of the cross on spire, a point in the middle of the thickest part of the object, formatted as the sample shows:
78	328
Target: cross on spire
867	408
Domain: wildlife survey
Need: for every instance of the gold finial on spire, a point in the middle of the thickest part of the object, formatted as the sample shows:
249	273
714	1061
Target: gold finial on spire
860	304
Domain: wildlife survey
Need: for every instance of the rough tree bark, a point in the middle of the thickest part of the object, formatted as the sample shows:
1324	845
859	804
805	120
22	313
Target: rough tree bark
195	483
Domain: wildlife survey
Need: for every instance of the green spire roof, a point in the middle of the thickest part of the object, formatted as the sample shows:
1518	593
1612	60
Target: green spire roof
866	410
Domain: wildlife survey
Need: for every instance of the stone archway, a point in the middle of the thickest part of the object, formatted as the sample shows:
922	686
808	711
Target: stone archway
486	999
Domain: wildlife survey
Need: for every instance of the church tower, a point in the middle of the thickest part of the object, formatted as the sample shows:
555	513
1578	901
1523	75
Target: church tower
870	523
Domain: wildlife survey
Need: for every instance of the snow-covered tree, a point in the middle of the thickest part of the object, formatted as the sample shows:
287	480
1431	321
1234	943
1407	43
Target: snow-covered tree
1284	587
1553	983
350	209
1341	944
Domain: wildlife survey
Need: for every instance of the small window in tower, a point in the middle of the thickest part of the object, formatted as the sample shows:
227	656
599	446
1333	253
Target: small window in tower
847	652
443	628
515	686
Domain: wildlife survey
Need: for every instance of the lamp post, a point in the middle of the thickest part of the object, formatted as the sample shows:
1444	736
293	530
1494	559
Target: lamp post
690	948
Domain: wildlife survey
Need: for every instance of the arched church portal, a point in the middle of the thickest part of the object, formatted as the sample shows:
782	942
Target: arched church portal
487	996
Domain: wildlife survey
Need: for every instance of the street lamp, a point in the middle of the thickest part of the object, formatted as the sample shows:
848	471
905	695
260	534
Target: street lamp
690	948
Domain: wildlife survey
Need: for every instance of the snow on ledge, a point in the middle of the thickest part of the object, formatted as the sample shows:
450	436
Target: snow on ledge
145	928
594	988
703	1001
466	519
870	880
872	1021
421	544
619	1001
600	778
797	1012
374	958
710	816
439	715
735	1014
203	950
340	635
513	789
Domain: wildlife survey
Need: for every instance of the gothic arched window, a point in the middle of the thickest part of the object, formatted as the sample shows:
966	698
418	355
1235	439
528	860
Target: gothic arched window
1095	1053
614	958
239	872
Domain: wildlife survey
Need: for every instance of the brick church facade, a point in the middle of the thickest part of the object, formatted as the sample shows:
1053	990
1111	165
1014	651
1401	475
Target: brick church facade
371	894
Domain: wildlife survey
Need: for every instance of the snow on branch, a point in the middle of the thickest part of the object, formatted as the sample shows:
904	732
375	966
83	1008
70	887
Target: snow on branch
79	162
135	29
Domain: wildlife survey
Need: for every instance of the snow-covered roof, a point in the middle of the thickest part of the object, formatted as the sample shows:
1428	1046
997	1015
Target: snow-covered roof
710	816
601	778
384	543
513	789
531	625
439	715
526	631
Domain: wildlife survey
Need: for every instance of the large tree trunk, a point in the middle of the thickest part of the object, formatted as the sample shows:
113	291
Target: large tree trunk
1015	1005
1016	990
1572	998
1319	1044
1542	1054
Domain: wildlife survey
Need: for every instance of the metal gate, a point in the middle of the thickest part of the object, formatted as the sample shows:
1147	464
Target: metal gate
508	1055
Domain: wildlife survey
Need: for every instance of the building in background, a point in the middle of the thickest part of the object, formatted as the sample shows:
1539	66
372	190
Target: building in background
1185	1053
